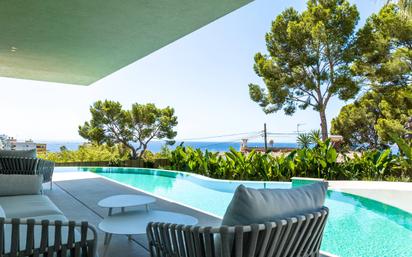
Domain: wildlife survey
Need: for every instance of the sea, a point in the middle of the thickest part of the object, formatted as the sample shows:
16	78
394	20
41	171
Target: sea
155	146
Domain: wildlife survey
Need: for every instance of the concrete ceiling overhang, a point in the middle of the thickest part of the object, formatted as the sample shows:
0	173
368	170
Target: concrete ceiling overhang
82	41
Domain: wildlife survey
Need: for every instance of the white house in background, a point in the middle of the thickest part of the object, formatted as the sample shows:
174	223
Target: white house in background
26	145
10	143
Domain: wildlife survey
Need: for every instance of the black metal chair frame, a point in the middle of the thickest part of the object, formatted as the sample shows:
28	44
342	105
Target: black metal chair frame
299	236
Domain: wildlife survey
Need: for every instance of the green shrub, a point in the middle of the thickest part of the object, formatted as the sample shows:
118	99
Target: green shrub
370	165
88	153
321	161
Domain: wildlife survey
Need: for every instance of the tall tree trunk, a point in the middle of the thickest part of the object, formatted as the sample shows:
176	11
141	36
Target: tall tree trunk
323	123
142	152
134	153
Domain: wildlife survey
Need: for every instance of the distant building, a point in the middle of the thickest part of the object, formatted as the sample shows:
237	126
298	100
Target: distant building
26	145
10	143
337	141
41	148
244	148
243	145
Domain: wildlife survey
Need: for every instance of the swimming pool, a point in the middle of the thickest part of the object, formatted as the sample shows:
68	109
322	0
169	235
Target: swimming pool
357	226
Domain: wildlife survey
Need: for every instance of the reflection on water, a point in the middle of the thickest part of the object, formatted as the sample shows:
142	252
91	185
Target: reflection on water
397	215
147	179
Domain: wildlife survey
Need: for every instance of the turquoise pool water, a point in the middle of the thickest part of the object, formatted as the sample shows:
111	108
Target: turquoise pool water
357	226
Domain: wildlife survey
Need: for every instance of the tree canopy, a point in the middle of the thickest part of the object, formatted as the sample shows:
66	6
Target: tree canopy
88	153
384	64
406	7
134	128
371	119
308	58
384	47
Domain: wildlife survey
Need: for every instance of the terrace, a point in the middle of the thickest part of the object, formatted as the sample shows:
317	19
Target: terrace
77	195
312	197
77	192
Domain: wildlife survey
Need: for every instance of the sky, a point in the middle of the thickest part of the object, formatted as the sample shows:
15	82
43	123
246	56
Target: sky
204	76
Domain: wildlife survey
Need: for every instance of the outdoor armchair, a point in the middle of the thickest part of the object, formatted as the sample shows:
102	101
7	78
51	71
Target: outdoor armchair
298	236
29	237
27	166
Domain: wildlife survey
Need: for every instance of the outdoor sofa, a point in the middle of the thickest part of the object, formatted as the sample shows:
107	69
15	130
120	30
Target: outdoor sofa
31	225
25	162
264	223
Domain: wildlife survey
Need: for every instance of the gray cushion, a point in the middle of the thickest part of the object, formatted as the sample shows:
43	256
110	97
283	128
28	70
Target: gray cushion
250	206
26	206
20	184
38	207
18	153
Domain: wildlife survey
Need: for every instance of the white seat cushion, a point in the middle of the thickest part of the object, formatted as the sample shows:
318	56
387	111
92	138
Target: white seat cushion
24	206
13	184
38	207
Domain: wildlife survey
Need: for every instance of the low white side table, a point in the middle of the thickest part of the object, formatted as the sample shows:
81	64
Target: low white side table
123	201
135	222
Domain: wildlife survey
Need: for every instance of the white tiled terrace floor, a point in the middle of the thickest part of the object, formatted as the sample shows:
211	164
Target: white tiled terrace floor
77	194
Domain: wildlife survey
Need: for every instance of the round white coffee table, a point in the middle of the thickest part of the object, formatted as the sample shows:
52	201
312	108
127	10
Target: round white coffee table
135	222
123	201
